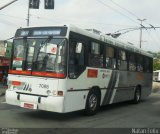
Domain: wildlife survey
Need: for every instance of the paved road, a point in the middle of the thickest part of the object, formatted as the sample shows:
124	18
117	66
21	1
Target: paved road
123	115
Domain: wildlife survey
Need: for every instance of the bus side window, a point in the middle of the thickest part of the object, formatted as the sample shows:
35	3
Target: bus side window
122	60
132	62
148	65
76	60
95	58
140	63
110	58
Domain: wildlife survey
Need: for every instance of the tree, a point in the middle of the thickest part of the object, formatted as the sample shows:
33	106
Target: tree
156	64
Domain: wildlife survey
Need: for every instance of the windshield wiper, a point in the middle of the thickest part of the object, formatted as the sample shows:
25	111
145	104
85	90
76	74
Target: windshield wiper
43	43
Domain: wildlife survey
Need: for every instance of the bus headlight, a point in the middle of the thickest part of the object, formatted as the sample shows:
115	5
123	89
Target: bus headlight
54	93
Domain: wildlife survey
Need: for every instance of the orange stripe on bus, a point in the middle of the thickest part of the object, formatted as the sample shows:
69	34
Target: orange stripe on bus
92	73
20	72
57	75
45	74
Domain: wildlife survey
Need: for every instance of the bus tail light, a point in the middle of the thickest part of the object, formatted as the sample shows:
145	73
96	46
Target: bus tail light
16	83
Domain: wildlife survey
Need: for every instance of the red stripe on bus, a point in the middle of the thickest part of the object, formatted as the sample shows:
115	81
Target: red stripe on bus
19	59
57	75
92	73
20	72
45	74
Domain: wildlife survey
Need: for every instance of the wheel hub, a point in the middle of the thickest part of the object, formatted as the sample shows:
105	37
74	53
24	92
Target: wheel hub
93	102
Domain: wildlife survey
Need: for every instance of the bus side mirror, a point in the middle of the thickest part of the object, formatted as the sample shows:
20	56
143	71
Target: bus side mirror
78	47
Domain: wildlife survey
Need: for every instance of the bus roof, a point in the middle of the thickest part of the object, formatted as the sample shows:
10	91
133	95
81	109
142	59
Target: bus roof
109	40
101	37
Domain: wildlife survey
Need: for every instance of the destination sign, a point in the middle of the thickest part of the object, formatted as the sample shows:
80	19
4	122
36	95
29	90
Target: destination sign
41	31
46	32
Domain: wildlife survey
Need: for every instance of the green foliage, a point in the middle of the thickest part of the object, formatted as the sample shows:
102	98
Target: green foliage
156	64
156	61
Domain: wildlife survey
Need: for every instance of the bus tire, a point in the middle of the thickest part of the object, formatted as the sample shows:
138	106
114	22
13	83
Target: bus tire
92	103
137	95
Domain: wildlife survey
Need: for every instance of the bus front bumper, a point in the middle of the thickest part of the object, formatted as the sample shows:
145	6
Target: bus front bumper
50	103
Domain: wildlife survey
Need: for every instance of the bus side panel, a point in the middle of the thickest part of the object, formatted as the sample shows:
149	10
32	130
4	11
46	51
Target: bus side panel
78	89
121	89
126	86
117	86
146	85
75	101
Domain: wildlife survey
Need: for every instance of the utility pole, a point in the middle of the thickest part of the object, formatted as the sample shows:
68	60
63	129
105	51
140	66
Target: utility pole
28	15
7	4
141	20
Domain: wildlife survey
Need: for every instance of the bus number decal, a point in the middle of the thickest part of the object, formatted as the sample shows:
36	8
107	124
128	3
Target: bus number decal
43	86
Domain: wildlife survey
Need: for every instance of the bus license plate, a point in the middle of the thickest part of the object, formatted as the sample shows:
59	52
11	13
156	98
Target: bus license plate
28	105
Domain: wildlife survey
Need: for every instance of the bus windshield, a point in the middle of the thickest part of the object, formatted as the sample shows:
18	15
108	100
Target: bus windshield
37	54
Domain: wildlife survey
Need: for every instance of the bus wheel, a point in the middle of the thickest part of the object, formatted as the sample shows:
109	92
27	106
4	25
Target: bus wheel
92	103
137	96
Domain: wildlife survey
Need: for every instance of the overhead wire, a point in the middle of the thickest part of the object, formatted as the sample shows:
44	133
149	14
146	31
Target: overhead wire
153	39
15	17
106	5
117	11
157	35
131	13
71	20
125	9
5	22
58	20
54	20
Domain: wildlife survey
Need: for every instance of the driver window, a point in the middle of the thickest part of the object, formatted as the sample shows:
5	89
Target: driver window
76	60
51	58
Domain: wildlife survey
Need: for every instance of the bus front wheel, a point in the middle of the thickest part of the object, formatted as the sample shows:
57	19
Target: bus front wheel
92	103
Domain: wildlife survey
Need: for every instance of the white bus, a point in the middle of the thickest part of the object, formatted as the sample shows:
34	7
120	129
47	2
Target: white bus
65	68
156	75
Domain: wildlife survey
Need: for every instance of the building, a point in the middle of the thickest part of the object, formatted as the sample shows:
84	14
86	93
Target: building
5	55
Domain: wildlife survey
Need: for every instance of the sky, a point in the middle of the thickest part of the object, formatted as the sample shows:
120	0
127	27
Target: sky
107	16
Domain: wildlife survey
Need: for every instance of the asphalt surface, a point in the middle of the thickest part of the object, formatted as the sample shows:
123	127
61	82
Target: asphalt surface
123	115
